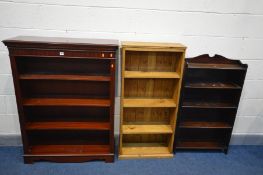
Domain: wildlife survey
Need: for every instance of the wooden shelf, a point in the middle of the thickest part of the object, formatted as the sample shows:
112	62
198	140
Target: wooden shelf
145	150
141	74
66	150
216	125
65	102
212	85
68	126
215	66
148	103
199	104
64	77
147	129
199	145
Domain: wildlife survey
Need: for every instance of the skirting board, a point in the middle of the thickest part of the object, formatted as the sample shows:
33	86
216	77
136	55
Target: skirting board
237	139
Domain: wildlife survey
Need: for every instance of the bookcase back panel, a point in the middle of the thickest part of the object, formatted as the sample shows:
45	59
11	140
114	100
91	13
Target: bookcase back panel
146	138
152	61
60	113
203	134
215	75
58	137
147	115
65	89
149	88
207	115
71	66
212	95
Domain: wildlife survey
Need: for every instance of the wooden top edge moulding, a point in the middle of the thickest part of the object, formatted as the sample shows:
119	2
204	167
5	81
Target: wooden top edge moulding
135	44
34	41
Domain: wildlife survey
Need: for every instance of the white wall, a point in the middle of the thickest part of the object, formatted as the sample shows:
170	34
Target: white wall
232	28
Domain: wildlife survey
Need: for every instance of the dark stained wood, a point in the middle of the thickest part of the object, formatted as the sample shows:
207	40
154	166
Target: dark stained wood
67	125
203	104
214	66
209	101
65	91
213	85
203	145
204	124
215	62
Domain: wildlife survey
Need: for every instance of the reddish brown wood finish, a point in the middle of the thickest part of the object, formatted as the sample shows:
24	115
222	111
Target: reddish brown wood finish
65	102
209	100
67	125
65	91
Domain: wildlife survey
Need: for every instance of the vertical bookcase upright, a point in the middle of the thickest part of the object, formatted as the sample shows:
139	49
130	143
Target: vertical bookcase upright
151	81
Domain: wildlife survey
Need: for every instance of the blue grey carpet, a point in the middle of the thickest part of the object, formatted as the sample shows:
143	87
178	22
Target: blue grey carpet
241	160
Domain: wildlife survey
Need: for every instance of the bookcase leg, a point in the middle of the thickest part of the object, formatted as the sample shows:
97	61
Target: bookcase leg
109	159
225	151
28	160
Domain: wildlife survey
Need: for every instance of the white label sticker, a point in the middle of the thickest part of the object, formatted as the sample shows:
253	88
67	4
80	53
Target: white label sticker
61	53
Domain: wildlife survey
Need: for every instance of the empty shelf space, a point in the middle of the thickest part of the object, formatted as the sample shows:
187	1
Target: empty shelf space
145	150
81	150
215	66
147	129
68	126
212	85
149	103
207	105
199	145
65	102
190	124
64	77
141	74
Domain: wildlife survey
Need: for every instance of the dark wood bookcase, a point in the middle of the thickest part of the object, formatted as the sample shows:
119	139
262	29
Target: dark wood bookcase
65	96
210	95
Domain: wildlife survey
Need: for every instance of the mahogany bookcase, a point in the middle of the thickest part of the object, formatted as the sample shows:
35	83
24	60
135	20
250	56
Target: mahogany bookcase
65	96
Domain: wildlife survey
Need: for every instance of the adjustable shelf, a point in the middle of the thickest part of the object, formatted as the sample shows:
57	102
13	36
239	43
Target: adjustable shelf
129	103
203	104
209	101
66	102
205	124
147	129
65	95
141	74
68	126
151	81
212	85
64	77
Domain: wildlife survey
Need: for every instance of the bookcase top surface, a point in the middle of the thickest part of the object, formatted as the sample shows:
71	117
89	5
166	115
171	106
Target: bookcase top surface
217	61
20	40
152	45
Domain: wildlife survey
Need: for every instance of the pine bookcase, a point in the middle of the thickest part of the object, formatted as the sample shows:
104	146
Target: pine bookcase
151	81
